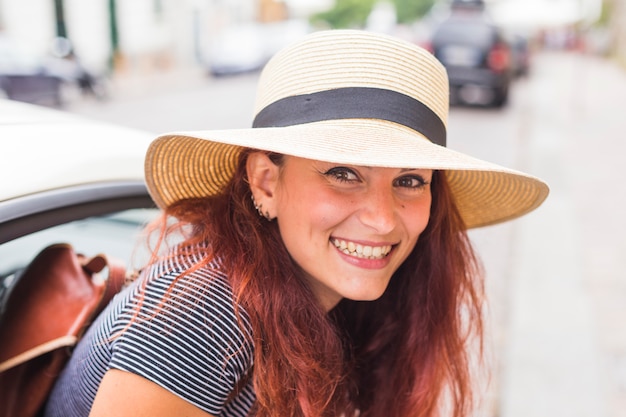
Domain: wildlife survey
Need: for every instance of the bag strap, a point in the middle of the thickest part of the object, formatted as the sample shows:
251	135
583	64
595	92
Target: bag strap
115	280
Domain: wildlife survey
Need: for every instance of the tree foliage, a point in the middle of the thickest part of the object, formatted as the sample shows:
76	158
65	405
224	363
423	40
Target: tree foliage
409	11
354	13
346	14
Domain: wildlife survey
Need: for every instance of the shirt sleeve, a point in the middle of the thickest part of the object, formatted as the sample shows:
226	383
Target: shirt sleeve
195	345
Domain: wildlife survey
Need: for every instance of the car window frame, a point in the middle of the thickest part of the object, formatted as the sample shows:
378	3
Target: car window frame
27	214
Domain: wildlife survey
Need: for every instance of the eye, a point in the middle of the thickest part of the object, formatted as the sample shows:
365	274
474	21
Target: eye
342	174
411	181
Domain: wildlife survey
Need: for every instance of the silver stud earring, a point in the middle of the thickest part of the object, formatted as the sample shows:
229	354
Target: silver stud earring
259	209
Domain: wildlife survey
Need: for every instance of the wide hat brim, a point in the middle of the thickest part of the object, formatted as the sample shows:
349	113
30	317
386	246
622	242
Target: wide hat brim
349	97
182	165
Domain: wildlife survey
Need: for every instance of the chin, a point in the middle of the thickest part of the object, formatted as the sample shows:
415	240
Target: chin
366	296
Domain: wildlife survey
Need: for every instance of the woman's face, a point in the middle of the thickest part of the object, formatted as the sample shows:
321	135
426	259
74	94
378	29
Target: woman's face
348	227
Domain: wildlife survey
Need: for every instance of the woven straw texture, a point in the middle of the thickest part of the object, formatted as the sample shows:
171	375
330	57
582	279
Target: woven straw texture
182	165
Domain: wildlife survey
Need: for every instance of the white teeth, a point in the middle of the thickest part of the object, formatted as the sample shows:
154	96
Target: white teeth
362	251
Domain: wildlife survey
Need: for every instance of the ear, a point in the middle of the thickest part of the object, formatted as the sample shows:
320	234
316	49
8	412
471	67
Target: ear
263	178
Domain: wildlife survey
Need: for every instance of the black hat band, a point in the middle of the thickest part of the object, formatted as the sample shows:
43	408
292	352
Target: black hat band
354	103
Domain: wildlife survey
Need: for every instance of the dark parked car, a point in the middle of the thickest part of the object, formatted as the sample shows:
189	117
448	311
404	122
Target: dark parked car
68	180
477	57
520	54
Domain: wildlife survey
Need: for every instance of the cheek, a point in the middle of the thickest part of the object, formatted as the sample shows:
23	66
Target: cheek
417	216
306	213
317	206
325	214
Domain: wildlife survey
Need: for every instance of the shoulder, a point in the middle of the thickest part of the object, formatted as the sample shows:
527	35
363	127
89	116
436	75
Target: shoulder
196	295
185	331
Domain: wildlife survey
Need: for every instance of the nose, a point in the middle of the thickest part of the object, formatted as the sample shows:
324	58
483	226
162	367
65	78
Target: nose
378	209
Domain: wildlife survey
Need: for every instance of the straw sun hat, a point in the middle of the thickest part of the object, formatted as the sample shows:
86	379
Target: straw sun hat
349	97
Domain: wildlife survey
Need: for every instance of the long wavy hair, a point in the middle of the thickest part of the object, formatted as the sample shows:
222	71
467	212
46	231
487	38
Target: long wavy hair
401	355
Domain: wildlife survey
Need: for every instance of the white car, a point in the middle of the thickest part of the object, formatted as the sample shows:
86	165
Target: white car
66	179
247	47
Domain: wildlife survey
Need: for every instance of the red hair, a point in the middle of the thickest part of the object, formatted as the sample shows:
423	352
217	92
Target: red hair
395	356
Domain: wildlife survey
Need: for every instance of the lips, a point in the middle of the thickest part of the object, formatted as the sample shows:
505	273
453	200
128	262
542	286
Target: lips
361	251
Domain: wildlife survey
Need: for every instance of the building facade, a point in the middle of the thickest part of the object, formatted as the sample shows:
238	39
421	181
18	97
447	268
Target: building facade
132	35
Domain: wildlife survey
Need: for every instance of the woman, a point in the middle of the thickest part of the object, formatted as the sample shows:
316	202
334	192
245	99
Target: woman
325	268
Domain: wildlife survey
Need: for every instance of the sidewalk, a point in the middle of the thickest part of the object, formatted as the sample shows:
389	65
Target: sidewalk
566	347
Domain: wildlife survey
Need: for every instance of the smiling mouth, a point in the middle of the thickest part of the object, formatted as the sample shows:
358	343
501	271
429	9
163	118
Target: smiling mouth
362	251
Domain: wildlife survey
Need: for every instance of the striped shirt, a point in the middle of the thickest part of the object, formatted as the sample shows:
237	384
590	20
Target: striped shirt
195	347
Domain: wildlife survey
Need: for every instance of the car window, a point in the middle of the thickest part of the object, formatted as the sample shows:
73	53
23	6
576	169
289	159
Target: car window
468	32
118	235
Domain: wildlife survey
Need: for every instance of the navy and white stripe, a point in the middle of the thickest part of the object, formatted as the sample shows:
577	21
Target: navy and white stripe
196	347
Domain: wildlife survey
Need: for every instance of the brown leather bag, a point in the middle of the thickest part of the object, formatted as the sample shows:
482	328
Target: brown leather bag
51	305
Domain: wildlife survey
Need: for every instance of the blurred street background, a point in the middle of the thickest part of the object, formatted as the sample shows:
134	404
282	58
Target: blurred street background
556	108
